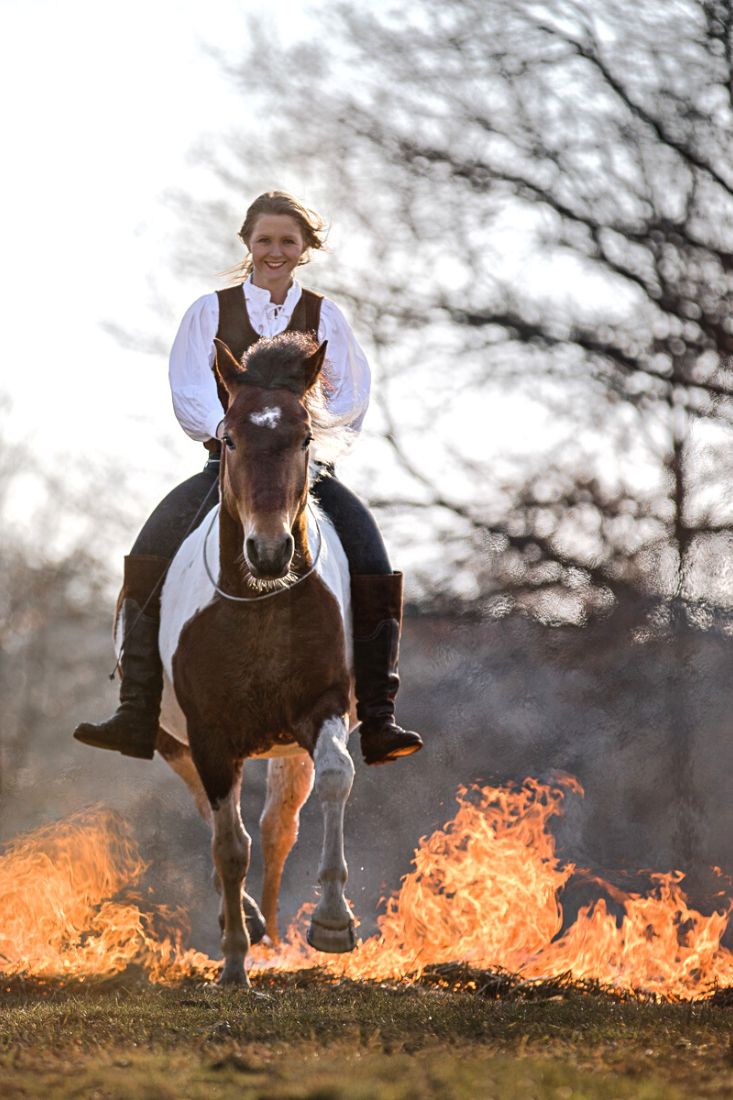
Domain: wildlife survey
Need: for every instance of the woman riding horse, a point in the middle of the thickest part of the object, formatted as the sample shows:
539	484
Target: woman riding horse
278	233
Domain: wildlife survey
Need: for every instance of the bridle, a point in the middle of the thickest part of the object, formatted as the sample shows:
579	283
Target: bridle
265	595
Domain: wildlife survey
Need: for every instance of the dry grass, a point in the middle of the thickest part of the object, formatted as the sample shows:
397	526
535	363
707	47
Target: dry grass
308	1039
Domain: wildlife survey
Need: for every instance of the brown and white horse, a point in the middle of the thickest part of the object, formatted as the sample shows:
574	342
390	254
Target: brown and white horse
255	642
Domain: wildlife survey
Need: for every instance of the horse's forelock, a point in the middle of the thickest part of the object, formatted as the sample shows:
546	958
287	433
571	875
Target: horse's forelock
277	362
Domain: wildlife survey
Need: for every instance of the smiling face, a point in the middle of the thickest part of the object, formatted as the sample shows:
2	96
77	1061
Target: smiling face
276	245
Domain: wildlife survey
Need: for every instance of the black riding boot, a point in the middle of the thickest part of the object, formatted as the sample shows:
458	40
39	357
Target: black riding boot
133	729
376	603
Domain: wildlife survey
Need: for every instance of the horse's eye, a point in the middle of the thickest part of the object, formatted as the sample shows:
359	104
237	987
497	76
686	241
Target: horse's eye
228	440
307	441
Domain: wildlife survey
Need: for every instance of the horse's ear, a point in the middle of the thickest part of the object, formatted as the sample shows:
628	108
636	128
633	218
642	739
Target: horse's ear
228	370
312	365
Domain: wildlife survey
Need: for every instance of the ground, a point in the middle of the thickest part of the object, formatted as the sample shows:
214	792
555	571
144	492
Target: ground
306	1039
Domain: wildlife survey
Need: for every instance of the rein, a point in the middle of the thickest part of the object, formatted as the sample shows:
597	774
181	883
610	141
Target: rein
265	595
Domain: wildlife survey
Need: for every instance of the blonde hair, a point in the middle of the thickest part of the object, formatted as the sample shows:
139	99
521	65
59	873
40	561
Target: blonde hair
311	224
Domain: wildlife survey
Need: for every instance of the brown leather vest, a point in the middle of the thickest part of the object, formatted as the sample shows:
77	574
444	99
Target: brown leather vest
235	327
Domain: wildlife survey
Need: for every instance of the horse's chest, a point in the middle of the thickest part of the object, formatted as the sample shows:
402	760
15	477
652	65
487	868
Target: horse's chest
256	674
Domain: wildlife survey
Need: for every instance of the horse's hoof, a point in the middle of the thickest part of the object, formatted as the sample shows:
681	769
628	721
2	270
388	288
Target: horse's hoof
254	920
334	941
233	977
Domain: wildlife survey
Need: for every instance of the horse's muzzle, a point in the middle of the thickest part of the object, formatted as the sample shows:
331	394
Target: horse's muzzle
269	559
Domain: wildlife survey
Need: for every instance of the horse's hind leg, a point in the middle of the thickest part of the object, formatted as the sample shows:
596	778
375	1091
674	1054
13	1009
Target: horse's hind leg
332	923
289	782
178	757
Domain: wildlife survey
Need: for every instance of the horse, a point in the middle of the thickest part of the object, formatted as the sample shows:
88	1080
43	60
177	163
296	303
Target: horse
257	653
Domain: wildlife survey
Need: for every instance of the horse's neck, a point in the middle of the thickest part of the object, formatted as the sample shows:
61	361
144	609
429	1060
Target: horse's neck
231	550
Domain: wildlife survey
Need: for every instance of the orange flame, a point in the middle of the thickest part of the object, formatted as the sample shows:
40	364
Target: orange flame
484	890
61	913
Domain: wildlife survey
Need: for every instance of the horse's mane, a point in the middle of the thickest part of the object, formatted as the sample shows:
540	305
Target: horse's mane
277	363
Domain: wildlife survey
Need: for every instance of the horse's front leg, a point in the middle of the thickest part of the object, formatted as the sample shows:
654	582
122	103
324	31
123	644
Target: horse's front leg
289	782
230	848
253	918
332	924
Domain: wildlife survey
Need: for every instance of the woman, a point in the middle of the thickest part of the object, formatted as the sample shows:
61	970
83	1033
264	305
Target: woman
278	233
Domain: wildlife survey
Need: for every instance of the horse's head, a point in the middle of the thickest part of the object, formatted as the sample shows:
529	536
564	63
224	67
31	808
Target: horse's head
267	434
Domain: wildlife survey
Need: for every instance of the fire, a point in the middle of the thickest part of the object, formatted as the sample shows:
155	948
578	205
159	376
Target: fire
484	890
68	906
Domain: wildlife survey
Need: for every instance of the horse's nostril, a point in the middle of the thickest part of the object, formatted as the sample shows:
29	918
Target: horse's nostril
250	550
282	556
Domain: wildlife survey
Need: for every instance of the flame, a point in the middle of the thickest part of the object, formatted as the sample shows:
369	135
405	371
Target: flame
68	907
484	890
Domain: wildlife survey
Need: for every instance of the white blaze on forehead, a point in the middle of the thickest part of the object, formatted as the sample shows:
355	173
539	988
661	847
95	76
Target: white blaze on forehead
268	417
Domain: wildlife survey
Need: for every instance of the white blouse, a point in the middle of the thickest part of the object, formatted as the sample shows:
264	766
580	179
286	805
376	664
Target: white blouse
191	368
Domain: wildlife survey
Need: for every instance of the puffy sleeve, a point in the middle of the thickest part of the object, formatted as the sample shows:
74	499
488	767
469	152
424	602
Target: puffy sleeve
190	370
346	369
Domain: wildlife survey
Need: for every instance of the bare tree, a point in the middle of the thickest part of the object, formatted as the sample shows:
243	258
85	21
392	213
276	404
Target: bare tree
58	527
534	203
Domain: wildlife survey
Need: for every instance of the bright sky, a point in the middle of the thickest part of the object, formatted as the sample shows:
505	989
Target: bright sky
103	104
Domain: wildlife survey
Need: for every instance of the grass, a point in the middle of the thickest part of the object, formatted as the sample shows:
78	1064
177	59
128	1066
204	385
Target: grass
308	1040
